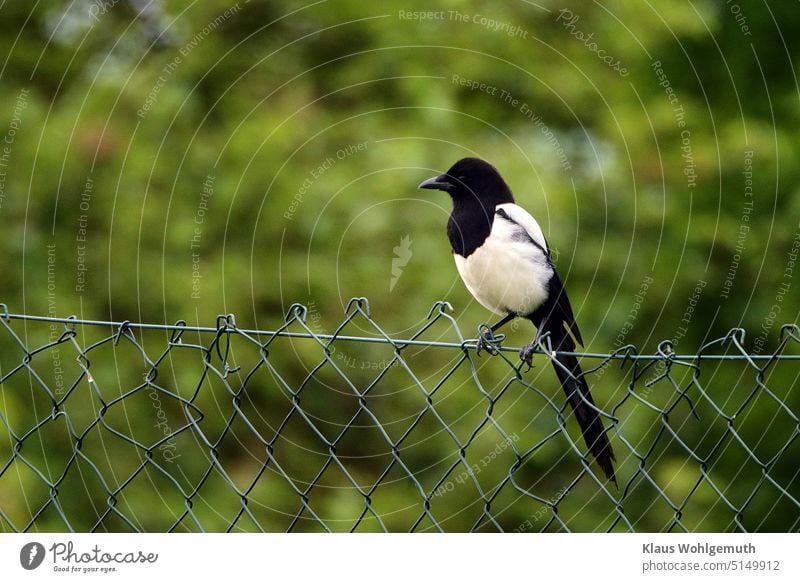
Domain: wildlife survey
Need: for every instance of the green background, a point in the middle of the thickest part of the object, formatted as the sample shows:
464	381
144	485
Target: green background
239	158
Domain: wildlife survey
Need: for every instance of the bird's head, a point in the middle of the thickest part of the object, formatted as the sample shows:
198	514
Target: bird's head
472	179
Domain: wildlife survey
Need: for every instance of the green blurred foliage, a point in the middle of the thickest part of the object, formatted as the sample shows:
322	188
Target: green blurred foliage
274	150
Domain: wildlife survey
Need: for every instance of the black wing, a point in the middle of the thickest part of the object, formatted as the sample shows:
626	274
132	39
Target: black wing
561	308
557	307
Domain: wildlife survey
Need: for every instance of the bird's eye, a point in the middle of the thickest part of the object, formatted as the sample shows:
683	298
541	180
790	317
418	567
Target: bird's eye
462	178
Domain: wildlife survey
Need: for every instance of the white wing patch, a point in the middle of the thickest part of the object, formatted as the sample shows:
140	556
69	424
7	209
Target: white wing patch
526	221
508	273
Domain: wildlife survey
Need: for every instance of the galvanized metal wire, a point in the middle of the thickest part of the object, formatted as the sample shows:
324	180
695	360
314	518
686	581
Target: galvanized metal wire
123	426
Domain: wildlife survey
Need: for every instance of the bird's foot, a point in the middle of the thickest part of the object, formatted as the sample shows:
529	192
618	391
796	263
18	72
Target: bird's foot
487	341
526	354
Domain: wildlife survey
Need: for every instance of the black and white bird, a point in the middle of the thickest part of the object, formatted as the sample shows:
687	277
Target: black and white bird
503	259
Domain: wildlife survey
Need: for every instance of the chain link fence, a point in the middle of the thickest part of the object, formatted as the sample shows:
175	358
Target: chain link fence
110	426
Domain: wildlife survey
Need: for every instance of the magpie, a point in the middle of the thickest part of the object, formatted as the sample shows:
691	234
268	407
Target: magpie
503	259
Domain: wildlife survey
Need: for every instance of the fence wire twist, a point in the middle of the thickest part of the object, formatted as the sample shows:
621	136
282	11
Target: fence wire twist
112	426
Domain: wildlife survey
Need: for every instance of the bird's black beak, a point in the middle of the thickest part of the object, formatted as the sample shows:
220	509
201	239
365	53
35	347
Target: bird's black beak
438	183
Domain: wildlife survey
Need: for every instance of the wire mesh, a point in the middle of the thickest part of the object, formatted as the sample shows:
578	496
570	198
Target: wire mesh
120	426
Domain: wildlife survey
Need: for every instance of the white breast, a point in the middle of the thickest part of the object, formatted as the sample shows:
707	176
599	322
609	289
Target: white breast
508	273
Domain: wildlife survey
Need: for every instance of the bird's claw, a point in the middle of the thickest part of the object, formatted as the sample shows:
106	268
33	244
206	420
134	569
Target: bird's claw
488	342
526	354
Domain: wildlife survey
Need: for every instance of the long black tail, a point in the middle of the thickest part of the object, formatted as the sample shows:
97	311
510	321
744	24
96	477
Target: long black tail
571	376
